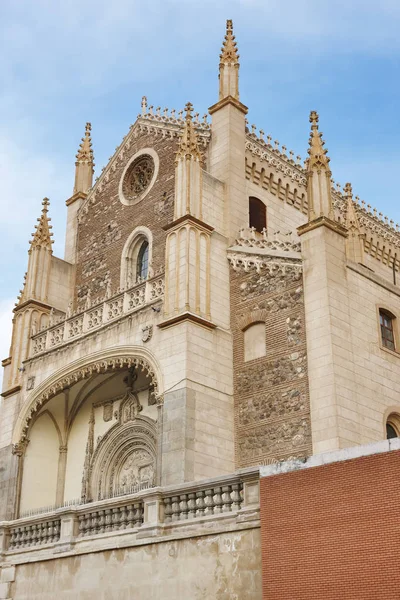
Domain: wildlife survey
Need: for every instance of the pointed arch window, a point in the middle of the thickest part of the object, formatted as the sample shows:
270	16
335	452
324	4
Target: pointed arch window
136	257
257	214
142	265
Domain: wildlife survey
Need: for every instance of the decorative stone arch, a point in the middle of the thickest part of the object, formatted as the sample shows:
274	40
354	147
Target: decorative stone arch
128	450
118	358
253	317
392	417
130	254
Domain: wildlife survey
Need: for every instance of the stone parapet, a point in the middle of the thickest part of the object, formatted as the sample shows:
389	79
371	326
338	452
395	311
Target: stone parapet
99	314
198	508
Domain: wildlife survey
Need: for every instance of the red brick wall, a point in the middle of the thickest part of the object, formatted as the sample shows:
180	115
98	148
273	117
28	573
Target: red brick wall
333	532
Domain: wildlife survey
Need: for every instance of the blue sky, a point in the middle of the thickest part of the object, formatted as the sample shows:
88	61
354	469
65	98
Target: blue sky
63	64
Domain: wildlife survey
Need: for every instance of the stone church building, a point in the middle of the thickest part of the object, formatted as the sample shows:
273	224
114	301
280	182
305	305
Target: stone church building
220	306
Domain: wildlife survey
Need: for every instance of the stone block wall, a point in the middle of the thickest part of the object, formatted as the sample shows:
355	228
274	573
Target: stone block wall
272	413
219	566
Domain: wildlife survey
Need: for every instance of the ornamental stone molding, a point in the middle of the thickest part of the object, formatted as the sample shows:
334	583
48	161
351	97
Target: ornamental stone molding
119	358
266	264
278	161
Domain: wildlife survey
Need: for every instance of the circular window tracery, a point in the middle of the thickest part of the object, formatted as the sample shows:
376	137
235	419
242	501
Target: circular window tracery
138	177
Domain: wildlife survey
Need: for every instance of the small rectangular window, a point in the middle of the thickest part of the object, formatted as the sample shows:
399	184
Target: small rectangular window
386	323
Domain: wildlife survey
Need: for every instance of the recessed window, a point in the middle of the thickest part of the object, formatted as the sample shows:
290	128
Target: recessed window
257	214
254	341
390	432
393	426
387	330
143	261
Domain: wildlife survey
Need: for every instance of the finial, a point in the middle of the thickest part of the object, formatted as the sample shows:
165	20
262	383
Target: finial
42	234
351	216
144	105
85	152
189	110
189	145
229	52
229	65
317	152
348	190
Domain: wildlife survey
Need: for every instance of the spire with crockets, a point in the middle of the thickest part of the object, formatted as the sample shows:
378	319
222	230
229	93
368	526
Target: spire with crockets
318	175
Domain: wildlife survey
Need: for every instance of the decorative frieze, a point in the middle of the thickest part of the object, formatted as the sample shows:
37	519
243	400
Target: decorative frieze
273	267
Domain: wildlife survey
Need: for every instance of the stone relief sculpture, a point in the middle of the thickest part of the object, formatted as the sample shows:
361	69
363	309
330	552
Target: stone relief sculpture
124	459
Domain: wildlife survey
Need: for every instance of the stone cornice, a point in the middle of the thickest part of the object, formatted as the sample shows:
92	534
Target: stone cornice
187	316
75	197
11	391
6	361
323	222
225	101
188	219
33	302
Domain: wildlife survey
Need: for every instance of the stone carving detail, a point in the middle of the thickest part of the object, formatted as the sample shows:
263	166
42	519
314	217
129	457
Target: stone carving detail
147	333
271	405
75	326
136	297
277	438
100	366
115	307
138	177
277	371
137	469
56	335
130	407
294	330
108	411
157	289
30	384
39	344
95	317
272	266
256	285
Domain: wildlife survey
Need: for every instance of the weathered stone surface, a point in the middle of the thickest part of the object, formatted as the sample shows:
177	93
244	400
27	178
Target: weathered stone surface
272	405
276	439
214	567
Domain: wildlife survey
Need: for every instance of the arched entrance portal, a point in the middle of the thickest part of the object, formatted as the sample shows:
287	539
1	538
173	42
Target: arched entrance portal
96	438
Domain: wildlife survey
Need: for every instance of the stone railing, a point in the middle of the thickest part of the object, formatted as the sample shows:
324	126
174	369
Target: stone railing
125	516
156	511
99	314
212	500
35	534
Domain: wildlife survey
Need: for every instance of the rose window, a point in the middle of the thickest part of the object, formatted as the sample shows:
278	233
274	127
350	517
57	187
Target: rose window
138	177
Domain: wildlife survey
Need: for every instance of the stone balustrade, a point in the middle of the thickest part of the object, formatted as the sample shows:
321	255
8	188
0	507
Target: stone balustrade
101	313
35	534
117	518
207	501
155	511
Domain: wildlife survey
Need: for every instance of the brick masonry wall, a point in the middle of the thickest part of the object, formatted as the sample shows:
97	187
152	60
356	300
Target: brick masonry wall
105	229
332	532
272	413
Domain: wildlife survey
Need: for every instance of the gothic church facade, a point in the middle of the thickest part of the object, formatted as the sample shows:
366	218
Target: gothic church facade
219	306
